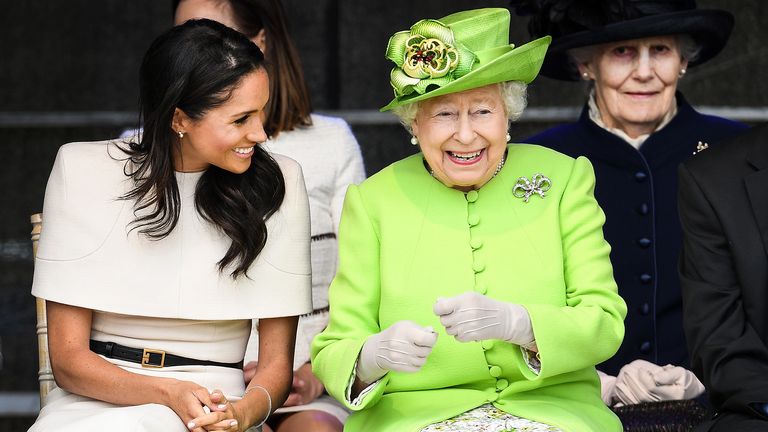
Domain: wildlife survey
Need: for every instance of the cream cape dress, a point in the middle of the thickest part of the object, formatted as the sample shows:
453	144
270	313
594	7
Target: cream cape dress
331	161
165	294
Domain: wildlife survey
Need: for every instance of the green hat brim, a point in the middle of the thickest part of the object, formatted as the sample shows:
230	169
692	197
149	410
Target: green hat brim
518	64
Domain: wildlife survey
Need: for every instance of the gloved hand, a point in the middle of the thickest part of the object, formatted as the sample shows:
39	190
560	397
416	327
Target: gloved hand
642	381
403	347
607	387
475	317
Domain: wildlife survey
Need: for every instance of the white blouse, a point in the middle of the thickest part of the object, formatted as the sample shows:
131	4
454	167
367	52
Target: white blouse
330	160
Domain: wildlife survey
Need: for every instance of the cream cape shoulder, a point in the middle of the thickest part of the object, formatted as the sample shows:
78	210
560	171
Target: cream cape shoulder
89	257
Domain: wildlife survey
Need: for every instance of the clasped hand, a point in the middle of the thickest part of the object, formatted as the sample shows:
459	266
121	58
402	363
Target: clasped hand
405	345
202	411
225	417
642	381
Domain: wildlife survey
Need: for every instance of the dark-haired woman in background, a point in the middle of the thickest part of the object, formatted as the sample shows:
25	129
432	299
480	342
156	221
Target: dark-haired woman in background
156	254
330	159
636	128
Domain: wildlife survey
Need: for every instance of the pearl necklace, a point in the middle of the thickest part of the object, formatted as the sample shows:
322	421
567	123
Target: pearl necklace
500	165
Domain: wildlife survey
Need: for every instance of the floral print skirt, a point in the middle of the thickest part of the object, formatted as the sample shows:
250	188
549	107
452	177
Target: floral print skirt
488	418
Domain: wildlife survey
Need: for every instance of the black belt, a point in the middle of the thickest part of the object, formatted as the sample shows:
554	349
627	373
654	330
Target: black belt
151	358
316	311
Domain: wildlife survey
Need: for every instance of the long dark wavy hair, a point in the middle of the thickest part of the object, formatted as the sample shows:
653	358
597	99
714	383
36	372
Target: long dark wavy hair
289	104
195	67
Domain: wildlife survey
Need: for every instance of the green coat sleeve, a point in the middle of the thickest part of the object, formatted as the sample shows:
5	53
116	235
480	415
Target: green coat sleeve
354	296
589	328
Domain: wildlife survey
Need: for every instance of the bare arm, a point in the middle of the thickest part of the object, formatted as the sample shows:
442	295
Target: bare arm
79	370
274	371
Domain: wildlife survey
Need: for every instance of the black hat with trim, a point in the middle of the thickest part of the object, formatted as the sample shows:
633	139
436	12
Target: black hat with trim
581	23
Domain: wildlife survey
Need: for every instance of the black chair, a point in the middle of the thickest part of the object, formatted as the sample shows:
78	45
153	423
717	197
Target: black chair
665	416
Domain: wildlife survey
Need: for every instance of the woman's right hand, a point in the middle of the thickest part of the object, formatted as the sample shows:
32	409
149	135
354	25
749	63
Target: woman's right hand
306	387
249	370
188	399
642	381
403	347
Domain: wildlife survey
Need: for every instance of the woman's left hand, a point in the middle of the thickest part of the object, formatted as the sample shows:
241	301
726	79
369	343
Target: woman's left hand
226	417
474	317
643	381
306	387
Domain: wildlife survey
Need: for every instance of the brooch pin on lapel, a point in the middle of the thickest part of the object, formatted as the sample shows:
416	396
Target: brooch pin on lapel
700	147
538	184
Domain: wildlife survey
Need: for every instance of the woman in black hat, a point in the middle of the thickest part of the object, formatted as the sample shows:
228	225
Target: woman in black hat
636	128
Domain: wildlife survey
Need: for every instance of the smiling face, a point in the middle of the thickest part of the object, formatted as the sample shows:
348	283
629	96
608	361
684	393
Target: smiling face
463	135
225	135
635	82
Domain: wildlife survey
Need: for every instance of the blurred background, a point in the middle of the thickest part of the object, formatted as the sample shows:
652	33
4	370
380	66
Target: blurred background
69	72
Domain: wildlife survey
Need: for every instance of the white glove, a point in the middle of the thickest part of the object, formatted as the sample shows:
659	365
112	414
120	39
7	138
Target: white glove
475	317
403	347
642	381
607	387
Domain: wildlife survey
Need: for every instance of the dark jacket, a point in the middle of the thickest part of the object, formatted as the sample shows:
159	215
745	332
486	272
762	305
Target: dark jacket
637	190
724	276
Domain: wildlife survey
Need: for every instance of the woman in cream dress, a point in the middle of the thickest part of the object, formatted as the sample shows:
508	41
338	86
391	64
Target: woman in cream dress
330	160
157	254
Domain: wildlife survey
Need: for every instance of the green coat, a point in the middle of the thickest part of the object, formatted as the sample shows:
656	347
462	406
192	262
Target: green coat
406	239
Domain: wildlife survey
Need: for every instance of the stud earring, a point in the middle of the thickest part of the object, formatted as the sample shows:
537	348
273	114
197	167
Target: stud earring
414	140
682	72
181	134
509	138
585	76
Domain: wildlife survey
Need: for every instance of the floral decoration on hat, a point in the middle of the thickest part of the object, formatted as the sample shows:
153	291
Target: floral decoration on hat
426	55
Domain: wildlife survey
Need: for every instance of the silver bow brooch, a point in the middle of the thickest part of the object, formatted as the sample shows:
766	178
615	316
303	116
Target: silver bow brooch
538	184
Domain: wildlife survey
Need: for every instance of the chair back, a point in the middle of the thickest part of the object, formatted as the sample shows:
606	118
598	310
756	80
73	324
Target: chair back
45	373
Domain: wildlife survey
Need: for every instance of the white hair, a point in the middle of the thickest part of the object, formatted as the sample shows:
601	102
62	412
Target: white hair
513	93
689	48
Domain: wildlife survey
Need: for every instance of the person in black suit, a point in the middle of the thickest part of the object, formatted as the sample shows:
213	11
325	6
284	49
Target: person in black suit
723	206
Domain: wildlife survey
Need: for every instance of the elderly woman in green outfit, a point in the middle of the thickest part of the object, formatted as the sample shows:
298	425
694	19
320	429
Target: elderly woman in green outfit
474	290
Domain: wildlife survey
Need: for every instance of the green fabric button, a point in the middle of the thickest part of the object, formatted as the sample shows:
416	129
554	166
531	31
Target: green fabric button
487	344
473	219
495	371
502	384
478	266
476	243
472	196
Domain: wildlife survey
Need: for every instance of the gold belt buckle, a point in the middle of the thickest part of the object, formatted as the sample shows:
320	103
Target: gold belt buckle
145	358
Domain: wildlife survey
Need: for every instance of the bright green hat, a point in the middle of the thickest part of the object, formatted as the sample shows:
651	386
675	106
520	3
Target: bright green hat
459	52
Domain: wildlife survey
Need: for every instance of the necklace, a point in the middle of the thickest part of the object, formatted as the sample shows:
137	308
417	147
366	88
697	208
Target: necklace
500	165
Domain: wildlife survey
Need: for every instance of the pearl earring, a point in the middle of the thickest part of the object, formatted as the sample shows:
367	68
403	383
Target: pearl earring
414	140
509	138
682	72
585	76
181	134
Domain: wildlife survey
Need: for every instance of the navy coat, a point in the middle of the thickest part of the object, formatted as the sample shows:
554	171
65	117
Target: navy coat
637	189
